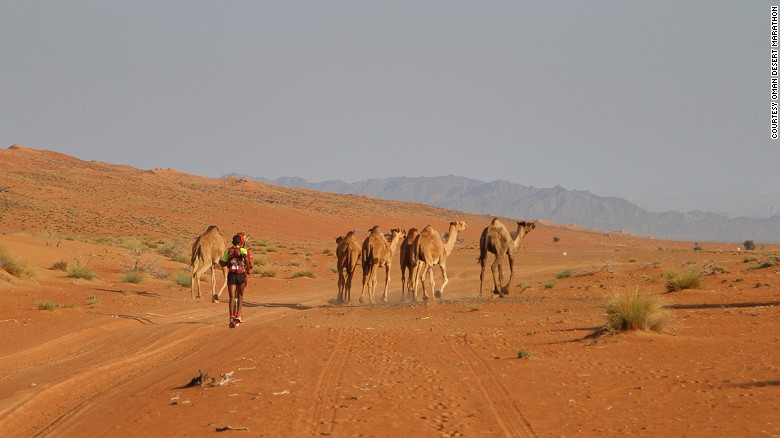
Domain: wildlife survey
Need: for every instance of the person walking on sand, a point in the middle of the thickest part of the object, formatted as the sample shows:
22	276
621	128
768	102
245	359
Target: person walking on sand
239	262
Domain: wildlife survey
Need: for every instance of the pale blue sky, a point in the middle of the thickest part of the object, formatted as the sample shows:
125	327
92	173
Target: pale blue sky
664	103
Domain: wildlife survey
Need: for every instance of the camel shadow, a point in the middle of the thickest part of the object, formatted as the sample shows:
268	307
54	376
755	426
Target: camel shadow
757	384
126	292
294	306
723	306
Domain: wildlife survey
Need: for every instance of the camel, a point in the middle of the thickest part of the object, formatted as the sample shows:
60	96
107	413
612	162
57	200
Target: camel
428	251
407	262
206	252
496	239
348	254
377	252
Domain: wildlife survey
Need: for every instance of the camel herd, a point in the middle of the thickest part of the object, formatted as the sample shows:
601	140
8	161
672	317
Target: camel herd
420	252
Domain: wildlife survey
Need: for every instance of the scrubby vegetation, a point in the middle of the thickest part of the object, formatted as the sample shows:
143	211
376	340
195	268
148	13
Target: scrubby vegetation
304	273
15	266
81	271
264	272
632	310
133	277
183	279
682	280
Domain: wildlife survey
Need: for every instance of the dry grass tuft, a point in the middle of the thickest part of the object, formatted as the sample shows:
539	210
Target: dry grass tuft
682	280
632	310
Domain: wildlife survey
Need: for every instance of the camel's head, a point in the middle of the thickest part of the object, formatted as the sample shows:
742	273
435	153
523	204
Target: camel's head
374	229
527	226
397	233
458	226
339	239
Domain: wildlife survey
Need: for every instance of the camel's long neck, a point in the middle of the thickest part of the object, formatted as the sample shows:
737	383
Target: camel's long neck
394	243
518	238
451	239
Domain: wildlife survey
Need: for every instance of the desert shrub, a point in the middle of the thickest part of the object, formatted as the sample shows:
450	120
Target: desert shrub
698	248
260	260
632	310
60	265
183	279
556	239
304	273
92	301
174	251
15	266
749	259
133	277
264	272
133	244
81	271
549	285
328	252
333	269
749	245
563	274
296	263
682	280
524	354
47	305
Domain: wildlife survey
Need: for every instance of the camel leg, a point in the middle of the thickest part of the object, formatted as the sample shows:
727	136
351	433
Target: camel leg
497	280
429	271
444	281
413	279
511	258
348	287
403	283
365	282
341	283
196	278
215	297
387	282
481	275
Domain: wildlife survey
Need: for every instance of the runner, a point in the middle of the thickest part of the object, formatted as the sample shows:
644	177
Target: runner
239	262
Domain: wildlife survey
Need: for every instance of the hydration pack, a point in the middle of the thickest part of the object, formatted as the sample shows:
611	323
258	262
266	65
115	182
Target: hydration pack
235	260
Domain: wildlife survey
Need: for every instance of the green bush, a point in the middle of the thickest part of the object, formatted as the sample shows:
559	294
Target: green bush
563	274
264	272
682	280
15	266
47	305
183	279
133	277
80	271
304	273
631	310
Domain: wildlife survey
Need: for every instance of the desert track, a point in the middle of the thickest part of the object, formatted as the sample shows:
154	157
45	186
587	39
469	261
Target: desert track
496	396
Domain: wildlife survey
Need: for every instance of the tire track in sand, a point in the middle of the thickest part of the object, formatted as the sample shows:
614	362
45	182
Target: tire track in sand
328	386
507	414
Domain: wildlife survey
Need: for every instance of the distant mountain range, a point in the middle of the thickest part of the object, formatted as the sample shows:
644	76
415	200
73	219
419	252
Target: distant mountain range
556	204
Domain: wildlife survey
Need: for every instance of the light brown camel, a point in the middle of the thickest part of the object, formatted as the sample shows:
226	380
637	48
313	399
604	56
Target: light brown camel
206	252
377	252
429	251
496	239
407	263
348	254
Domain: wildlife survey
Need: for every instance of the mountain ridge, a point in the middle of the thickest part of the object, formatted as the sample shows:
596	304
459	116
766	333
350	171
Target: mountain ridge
555	204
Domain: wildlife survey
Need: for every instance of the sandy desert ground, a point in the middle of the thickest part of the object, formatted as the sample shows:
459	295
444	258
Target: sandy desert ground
115	358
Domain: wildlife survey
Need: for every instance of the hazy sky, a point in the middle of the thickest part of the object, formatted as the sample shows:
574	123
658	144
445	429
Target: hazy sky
664	103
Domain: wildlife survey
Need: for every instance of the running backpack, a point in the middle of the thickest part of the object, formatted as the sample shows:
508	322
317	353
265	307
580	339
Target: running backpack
235	260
